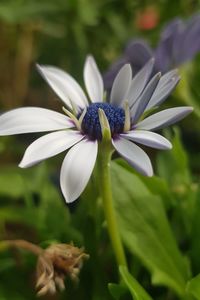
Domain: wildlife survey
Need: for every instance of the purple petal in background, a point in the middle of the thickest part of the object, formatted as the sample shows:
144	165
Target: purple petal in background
138	52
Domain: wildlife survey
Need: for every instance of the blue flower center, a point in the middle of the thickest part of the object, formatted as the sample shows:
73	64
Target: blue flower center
91	125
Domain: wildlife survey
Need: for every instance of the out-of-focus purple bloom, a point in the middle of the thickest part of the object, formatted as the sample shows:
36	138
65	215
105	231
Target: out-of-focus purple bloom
179	43
137	53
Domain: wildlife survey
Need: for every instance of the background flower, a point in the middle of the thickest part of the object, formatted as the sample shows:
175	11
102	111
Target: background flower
179	43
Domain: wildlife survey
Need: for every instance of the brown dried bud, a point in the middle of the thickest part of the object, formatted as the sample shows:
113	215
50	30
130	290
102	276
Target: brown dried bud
55	263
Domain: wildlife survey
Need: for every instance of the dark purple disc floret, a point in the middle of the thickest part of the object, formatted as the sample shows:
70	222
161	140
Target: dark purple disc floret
91	124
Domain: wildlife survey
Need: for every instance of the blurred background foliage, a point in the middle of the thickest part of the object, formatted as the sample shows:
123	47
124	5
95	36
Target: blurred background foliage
158	217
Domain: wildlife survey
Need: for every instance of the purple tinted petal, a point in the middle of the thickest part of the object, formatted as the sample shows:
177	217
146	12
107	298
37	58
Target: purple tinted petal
138	53
171	28
187	40
109	76
139	82
139	107
162	57
164	118
164	53
165	86
191	40
148	138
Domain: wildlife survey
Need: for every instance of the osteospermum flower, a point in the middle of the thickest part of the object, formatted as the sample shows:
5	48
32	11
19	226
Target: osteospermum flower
179	43
81	128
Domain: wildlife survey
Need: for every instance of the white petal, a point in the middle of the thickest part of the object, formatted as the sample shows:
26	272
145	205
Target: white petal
32	119
64	85
93	80
121	85
77	168
140	105
165	86
164	118
148	138
49	145
135	156
139	82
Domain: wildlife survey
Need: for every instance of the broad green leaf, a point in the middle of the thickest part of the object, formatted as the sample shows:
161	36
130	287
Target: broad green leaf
16	182
193	287
173	165
156	185
194	235
145	229
136	290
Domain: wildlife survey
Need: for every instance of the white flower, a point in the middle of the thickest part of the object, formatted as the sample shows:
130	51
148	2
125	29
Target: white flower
80	131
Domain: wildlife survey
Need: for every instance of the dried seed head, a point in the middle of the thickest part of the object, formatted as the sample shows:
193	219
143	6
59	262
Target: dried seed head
55	263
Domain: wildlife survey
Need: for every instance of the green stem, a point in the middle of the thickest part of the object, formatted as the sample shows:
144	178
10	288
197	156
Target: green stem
106	195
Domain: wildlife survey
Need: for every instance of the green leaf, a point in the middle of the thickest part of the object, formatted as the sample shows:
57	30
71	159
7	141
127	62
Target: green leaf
12	182
136	290
193	287
156	185
194	235
6	263
146	231
183	89
173	165
116	290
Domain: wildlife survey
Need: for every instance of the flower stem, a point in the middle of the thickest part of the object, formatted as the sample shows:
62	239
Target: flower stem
21	244
106	195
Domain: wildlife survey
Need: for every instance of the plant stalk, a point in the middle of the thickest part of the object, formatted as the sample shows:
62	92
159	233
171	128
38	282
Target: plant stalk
106	195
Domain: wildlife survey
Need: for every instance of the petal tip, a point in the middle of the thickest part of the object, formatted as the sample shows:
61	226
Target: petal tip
170	146
128	65
188	109
89	58
159	74
150	173
152	60
38	67
68	200
22	165
167	145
